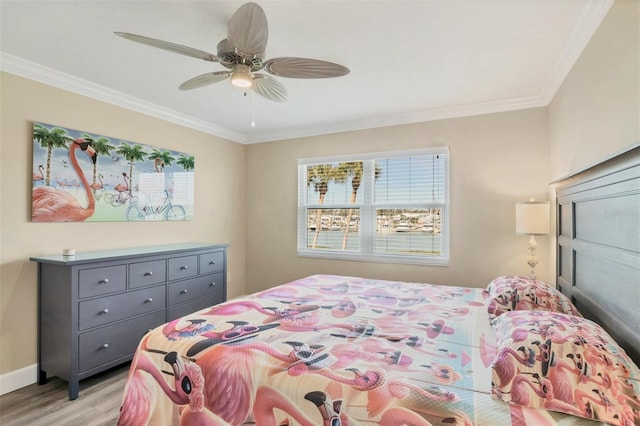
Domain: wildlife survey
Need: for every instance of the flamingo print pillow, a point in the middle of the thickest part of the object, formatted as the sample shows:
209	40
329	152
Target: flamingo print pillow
514	293
564	363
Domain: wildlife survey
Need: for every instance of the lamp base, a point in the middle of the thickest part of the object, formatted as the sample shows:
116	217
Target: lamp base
532	260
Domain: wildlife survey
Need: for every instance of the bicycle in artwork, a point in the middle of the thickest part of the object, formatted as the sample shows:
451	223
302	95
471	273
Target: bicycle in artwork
167	210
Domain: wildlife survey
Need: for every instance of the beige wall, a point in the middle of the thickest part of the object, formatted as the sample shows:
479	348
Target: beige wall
496	160
596	112
219	210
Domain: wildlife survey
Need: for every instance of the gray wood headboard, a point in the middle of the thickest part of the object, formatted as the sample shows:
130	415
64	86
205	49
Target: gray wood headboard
598	245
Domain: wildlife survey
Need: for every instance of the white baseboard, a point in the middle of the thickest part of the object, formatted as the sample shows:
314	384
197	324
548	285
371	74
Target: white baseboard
17	379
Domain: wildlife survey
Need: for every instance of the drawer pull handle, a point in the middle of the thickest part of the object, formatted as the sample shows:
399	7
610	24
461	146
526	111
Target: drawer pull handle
213	284
104	311
105	346
104	281
149	300
184	291
183	268
148	274
213	262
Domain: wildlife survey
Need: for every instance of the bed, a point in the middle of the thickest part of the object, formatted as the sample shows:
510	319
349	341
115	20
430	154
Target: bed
337	350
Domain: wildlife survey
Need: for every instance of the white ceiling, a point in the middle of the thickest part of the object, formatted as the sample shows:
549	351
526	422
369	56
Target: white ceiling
410	61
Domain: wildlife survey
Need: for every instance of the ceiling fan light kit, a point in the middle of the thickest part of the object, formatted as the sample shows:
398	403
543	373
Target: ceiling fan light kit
242	54
241	76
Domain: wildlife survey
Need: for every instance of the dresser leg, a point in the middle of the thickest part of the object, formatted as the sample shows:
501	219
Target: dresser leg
73	390
42	377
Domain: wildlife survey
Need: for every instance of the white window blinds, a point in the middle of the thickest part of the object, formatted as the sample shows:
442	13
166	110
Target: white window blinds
384	206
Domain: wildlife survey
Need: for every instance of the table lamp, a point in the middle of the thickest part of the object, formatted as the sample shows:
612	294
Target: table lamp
532	218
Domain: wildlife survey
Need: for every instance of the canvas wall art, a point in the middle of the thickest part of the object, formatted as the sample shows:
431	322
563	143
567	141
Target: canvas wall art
84	177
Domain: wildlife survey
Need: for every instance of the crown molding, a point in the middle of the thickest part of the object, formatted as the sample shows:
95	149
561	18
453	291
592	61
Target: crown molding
586	25
33	71
431	114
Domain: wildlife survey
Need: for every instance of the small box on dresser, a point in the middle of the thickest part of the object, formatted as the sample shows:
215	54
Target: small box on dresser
93	308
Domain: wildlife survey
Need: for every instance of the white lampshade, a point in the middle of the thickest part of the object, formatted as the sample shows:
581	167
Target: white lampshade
532	218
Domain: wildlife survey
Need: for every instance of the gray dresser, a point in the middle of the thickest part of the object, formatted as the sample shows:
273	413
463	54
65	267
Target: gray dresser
94	307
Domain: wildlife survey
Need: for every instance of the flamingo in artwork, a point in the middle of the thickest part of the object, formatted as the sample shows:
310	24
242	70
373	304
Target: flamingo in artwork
97	185
158	165
55	205
39	177
120	187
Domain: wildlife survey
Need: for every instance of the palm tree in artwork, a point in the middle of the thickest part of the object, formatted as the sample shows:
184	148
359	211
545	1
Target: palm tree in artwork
355	170
161	159
319	176
187	162
50	139
131	153
101	146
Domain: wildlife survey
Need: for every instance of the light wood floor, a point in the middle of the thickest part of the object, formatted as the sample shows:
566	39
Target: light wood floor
98	402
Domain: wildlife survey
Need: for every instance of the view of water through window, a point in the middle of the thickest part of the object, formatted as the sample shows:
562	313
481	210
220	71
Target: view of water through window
397	230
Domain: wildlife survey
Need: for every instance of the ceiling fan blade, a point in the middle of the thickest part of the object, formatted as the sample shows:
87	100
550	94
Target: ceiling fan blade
248	31
205	80
269	88
304	68
172	47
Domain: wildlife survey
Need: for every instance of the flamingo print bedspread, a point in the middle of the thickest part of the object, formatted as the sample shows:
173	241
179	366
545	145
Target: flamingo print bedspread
325	350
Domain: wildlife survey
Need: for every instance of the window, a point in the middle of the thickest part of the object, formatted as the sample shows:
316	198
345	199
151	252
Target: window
390	206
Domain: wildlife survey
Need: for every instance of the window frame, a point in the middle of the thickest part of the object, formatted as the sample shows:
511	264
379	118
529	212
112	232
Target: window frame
367	210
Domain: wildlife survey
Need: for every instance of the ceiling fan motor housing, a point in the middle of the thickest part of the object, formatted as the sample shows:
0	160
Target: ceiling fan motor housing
228	57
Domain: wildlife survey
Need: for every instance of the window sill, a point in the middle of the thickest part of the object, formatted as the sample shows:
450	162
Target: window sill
430	261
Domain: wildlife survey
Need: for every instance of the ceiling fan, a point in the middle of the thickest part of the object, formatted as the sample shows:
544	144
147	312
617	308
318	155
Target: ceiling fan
242	52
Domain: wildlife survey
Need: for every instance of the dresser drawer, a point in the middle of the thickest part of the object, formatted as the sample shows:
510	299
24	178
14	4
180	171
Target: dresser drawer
97	281
183	267
186	290
116	341
211	262
192	306
96	312
147	273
